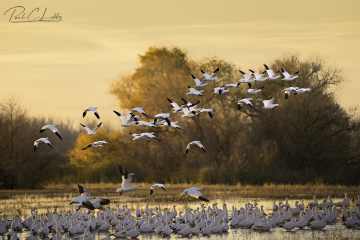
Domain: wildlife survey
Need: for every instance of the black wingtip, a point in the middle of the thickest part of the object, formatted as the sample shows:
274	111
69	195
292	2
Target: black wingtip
204	150
297	72
34	148
193	76
84	113
169	100
49	145
239	106
202	71
189	87
286	96
41	131
99	124
282	70
187	150
249	85
267	68
117	113
202	198
251	71
216	70
57	134
151	191
97	115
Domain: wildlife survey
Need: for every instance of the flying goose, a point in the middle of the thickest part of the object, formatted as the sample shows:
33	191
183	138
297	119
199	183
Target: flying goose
91	109
45	140
145	124
253	91
248	79
193	91
232	85
220	90
258	77
198	82
175	106
245	100
173	124
156	186
128	119
84	195
143	135
95	204
289	90
91	132
189	113
194	192
210	77
302	90
164	116
268	104
101	142
287	76
208	110
93	145
272	75
194	143
126	181
52	128
139	110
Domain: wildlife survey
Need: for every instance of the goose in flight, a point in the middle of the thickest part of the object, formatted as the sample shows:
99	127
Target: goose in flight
247	79
143	135
128	119
189	113
175	106
208	110
95	204
91	109
173	124
253	91
101	142
193	91
52	128
245	100
268	104
288	77
210	77
89	131
194	192
198	82
220	90
145	124
289	90
126	181
139	110
194	143
163	116
232	85
93	145
158	185
44	140
302	90
272	75
258	77
84	195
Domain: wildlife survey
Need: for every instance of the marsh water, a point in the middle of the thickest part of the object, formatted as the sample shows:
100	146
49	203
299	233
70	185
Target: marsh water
22	203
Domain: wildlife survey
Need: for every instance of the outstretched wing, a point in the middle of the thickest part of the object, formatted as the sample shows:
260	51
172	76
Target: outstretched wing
122	117
214	73
86	128
83	191
97	127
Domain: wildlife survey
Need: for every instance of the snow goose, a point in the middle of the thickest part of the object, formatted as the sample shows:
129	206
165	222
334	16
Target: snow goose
156	186
126	181
52	128
189	113
264	226
143	135
290	225
302	90
318	224
145	124
220	90
91	109
95	204
314	203
128	119
232	85
101	142
166	231
194	143
259	77
275	206
194	192
139	110
343	214
92	145
89	131
175	106
198	82
350	222
272	75
301	205
44	140
358	201
206	110
302	222
193	91
210	77
163	116
288	77
345	202
173	124
253	91
84	195
289	90
248	79
268	104
246	101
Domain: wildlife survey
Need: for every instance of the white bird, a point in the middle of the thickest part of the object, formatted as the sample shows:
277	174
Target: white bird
145	124
91	132
52	128
253	91
95	204
318	224
128	119
220	90
143	135
358	201
248	79
44	140
245	100
289	90
259	77
232	85
193	91
194	192
93	145
139	110
198	82
272	75
158	185
345	202
288	77
189	113
208	110
210	77
101	142
302	90
268	104
194	143
91	109
163	116
175	106
173	124
126	181
84	195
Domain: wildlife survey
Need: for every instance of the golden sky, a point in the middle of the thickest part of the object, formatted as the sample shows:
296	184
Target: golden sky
60	68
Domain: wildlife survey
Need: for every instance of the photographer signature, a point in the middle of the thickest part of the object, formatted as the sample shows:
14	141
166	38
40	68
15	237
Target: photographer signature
18	15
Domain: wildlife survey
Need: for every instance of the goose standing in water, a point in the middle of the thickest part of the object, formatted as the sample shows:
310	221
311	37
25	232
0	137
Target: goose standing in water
52	128
126	181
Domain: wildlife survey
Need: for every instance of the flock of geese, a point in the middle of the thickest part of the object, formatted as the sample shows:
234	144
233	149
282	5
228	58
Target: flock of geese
81	223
